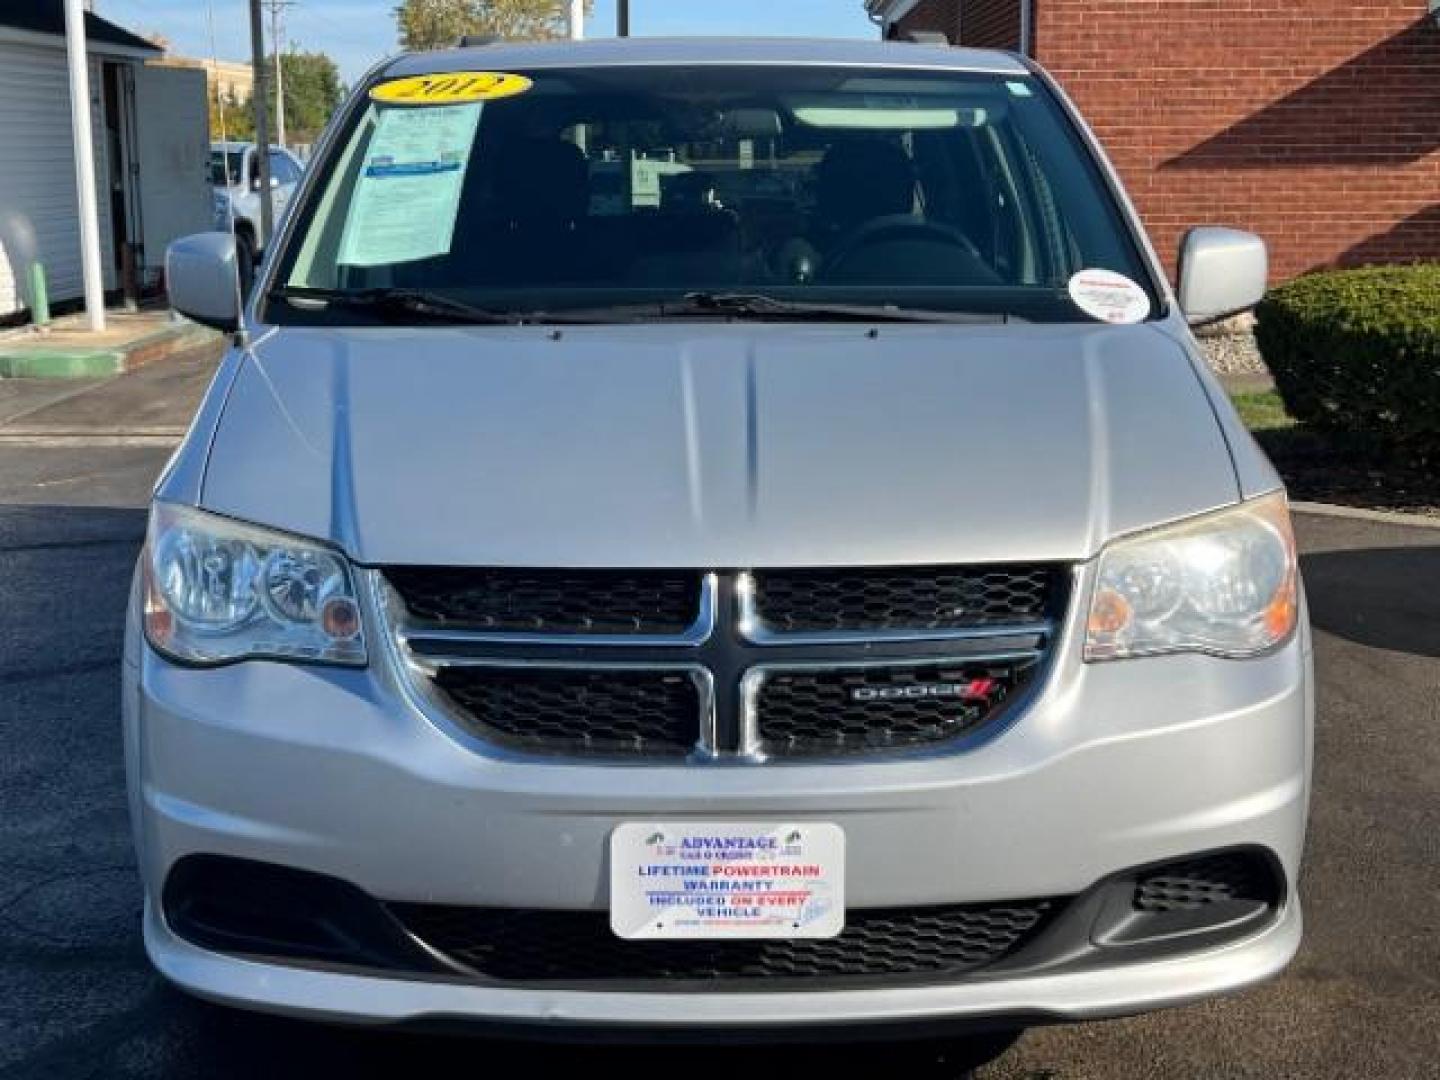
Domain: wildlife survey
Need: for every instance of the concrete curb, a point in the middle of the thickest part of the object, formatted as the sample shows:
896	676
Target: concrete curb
35	360
1355	513
178	337
60	363
51	442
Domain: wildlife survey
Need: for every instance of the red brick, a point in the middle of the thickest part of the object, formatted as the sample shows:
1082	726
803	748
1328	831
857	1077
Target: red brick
1316	124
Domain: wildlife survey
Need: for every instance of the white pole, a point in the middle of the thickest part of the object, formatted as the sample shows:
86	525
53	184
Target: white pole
84	163
577	20
276	32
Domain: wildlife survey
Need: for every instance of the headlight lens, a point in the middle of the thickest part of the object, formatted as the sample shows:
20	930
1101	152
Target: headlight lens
1224	584
218	590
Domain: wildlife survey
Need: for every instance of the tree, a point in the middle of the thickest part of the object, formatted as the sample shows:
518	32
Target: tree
312	93
239	118
438	24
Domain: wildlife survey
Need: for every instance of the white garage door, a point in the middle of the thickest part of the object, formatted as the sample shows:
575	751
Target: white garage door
38	215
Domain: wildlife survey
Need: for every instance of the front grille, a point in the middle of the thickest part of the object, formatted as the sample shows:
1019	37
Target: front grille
1198	883
904	598
858	710
725	663
582	711
550	601
521	945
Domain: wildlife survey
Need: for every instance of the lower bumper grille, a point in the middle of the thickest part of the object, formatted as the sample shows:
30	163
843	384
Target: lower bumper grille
1236	877
515	945
584	711
273	913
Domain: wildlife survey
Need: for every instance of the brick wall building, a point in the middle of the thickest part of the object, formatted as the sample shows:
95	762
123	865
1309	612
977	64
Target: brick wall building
1316	123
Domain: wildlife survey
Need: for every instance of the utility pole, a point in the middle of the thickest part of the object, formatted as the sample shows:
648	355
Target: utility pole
277	42
577	20
78	55
262	123
622	16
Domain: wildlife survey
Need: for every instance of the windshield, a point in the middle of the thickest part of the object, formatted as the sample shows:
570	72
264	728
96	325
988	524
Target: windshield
226	167
609	188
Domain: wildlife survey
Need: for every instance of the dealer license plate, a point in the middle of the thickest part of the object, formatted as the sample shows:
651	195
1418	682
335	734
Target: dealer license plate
727	880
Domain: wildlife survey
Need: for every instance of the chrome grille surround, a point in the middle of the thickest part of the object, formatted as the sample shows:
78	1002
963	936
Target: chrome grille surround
730	653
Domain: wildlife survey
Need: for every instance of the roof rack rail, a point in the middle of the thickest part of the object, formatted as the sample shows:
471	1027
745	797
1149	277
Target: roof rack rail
926	37
478	41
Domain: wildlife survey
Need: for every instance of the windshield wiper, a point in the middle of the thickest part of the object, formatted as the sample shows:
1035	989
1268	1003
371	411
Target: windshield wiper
390	303
760	306
409	303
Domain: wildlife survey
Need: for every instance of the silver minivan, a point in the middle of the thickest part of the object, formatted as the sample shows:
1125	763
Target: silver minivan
732	536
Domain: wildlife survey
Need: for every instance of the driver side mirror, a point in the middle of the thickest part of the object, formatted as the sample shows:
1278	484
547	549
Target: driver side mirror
1222	273
200	275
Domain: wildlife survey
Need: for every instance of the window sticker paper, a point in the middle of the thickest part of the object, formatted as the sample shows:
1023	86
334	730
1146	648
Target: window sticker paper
408	194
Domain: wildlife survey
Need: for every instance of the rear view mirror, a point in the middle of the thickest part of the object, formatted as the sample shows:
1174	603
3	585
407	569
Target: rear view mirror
1222	272
200	274
751	123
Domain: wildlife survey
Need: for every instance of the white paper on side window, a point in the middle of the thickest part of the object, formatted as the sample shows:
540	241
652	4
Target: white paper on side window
408	193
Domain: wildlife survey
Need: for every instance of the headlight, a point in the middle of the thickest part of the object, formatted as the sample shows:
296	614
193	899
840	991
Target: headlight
217	590
1224	584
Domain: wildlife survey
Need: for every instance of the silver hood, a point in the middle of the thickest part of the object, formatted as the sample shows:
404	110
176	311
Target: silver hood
717	445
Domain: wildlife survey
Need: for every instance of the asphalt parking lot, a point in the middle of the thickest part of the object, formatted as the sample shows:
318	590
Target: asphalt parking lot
78	1000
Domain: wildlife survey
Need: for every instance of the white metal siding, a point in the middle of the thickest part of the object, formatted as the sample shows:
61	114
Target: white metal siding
38	209
173	138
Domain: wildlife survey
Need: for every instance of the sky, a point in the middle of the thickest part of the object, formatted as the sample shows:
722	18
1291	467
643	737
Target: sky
359	32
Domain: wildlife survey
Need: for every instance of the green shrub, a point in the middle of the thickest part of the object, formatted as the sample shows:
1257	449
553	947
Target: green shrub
1358	351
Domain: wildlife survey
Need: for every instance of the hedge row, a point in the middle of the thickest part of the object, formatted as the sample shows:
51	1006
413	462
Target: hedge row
1358	351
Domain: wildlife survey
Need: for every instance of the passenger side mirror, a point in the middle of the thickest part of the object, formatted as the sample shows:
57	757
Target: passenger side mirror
1222	272
200	274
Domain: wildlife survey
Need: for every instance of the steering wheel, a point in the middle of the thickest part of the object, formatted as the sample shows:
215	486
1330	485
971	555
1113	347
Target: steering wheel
898	228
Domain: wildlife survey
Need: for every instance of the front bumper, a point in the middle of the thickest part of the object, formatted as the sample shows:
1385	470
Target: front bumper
336	771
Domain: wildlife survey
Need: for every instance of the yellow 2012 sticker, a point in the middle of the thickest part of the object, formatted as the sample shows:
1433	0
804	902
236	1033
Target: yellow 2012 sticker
450	88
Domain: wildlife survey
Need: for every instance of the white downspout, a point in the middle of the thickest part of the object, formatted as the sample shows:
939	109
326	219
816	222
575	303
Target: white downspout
1027	28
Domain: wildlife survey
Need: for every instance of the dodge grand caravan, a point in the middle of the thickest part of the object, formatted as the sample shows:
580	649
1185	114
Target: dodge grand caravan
724	535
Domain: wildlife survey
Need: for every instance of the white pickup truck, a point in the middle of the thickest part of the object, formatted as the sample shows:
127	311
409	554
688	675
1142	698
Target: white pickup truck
235	180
